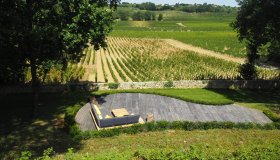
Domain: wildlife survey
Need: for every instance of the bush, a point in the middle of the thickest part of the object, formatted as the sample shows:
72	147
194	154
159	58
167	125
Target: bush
160	17
168	84
248	71
113	85
69	119
164	125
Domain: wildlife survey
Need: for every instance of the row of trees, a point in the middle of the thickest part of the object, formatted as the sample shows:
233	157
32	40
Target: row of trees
125	15
181	7
204	8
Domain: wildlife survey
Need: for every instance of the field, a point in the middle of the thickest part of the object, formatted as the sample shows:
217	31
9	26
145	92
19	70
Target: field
207	30
138	60
140	51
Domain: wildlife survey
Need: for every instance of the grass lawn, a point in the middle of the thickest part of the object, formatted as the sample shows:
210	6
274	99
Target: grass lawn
210	96
18	132
210	144
202	96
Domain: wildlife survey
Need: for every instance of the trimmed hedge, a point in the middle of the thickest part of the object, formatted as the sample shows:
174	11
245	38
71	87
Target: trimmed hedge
113	85
69	120
178	125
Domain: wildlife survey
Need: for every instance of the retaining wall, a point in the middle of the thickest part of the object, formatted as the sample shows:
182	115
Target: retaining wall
89	86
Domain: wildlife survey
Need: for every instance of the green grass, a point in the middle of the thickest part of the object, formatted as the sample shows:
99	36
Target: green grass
209	96
202	96
210	144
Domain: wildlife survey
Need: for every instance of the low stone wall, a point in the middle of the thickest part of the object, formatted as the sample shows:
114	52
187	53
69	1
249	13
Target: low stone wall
218	84
88	86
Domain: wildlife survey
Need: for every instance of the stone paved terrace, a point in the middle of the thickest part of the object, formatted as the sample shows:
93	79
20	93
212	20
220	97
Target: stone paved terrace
169	109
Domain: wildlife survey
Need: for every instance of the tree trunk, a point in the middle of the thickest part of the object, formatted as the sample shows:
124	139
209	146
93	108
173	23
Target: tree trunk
35	88
252	54
64	67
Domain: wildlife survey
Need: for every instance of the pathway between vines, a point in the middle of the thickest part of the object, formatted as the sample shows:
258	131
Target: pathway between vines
100	77
199	50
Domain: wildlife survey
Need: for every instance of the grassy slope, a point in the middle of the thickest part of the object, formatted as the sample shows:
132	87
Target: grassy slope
206	144
18	132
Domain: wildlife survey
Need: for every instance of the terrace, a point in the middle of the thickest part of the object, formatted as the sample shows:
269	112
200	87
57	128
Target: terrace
166	109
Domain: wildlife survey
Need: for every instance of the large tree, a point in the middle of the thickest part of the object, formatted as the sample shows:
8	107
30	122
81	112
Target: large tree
34	32
258	24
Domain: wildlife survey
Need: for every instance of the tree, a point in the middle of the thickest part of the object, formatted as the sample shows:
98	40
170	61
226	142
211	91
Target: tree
258	24
123	14
34	32
160	17
147	6
138	16
153	16
147	16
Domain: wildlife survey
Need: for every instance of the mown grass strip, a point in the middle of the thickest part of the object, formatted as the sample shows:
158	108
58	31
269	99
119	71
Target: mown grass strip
202	96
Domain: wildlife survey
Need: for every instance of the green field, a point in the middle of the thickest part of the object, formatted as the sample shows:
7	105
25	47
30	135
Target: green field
210	31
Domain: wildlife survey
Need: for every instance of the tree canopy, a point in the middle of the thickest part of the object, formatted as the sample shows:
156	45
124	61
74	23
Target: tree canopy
34	32
258	24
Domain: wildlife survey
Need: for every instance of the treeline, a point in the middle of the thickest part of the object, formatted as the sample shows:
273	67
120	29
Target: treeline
124	15
181	7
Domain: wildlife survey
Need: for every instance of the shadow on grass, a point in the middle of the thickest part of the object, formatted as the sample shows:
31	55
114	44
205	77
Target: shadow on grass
250	96
18	132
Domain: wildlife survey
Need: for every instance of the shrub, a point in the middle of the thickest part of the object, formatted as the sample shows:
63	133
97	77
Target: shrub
25	155
248	71
113	85
164	125
168	84
69	119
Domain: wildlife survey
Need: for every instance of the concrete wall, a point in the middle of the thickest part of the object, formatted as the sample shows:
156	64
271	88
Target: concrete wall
88	86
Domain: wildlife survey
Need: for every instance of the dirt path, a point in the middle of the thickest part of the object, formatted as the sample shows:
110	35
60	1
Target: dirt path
113	67
181	24
106	68
199	50
100	77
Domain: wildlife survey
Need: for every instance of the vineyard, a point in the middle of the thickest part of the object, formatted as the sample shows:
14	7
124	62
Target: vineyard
138	60
205	30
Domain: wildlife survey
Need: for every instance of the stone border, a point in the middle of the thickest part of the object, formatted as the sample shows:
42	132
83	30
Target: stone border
90	86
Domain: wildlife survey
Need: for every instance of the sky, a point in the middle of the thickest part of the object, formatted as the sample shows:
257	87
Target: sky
218	2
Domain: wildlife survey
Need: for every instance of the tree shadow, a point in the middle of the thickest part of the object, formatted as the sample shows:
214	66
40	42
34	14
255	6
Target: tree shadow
18	132
256	92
